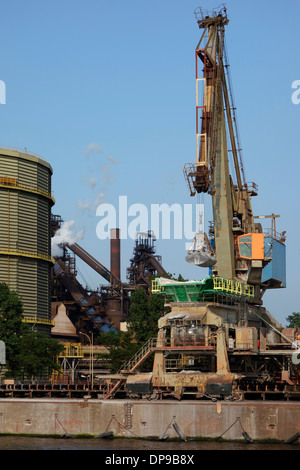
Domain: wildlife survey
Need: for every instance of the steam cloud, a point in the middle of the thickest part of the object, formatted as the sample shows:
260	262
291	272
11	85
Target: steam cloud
64	235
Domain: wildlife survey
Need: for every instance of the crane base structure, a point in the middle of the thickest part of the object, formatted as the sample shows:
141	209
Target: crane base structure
222	348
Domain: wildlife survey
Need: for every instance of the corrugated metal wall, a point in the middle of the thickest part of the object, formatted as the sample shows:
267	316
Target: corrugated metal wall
25	241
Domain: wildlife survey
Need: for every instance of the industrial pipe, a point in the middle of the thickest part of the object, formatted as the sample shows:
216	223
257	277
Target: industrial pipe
115	258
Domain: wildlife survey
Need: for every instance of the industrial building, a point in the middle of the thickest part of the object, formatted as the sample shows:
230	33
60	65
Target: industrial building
55	303
104	309
25	242
48	286
218	341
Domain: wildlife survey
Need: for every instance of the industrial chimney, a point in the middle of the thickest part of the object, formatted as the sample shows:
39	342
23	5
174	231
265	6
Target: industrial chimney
114	305
115	259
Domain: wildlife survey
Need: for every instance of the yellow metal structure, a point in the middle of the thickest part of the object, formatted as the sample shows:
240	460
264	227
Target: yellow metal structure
68	361
12	183
28	254
156	287
37	320
72	350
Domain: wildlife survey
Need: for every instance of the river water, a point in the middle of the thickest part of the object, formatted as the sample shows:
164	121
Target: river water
108	446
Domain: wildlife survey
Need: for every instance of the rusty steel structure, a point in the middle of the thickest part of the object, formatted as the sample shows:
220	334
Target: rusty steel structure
93	311
144	264
219	341
216	129
115	259
104	309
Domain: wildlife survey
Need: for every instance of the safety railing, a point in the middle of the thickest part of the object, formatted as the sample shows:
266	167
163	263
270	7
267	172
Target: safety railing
24	151
196	290
156	287
36	319
12	183
140	356
72	350
233	287
28	254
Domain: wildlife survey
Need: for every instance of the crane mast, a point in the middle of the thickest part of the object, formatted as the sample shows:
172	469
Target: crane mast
235	229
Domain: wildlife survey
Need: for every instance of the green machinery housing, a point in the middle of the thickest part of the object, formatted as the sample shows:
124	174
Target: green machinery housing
209	289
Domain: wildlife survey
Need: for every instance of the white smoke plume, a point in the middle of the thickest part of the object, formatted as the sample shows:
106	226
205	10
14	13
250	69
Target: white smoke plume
93	181
99	177
92	148
64	235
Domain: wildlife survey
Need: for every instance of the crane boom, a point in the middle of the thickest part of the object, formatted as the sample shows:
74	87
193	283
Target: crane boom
216	129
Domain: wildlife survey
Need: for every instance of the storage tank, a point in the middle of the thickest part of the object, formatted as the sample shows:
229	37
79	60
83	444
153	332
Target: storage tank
25	239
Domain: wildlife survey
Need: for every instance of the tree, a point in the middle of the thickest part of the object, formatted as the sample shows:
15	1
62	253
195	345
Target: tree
173	276
120	348
11	326
37	355
142	324
293	320
144	313
28	353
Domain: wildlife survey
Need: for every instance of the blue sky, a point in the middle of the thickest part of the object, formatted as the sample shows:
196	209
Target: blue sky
121	76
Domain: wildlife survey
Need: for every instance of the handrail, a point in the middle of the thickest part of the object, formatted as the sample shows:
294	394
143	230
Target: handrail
220	285
10	183
28	254
72	350
130	365
15	149
36	319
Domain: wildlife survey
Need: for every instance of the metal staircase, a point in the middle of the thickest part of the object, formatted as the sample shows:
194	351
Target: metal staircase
132	365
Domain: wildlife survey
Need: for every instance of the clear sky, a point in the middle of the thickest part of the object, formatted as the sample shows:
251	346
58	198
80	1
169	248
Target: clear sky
105	92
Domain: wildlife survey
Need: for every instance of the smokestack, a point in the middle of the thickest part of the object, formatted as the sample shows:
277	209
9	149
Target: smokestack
115	259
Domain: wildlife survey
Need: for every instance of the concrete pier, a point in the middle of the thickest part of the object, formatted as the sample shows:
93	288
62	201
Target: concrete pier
271	421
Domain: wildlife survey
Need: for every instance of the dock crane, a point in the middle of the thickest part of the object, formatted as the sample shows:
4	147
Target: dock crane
239	244
218	341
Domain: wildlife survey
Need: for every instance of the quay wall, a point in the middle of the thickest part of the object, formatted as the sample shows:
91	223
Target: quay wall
271	421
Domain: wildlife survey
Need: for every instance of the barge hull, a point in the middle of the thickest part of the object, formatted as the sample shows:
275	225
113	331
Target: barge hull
269	421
